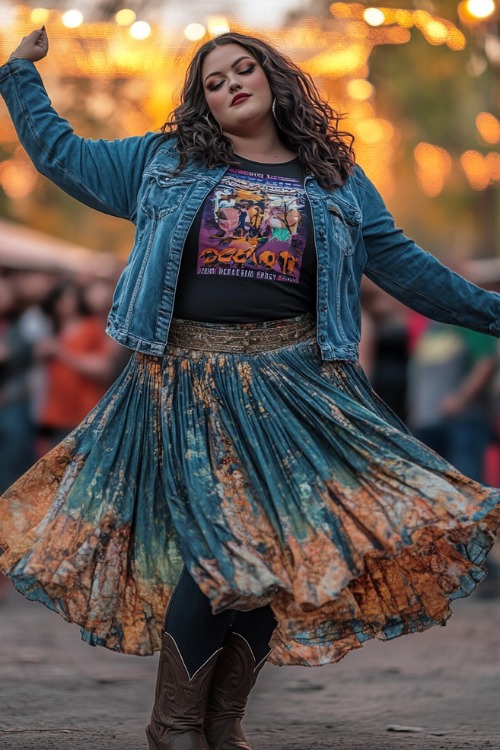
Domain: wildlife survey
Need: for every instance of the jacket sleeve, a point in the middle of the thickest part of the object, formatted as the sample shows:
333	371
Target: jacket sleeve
105	175
415	277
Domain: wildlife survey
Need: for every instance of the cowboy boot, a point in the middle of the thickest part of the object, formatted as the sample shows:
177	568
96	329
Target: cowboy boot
180	701
233	679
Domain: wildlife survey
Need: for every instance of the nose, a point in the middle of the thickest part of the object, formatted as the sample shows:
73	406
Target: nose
234	86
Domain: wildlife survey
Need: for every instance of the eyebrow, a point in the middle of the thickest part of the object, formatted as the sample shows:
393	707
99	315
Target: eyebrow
233	65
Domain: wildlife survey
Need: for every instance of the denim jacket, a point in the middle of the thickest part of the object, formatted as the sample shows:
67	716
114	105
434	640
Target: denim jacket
134	178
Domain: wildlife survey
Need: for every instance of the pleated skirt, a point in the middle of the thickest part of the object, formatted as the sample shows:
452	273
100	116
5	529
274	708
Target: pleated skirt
276	477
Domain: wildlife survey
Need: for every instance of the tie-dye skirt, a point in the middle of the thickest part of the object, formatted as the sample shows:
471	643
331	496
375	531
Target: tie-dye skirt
276	477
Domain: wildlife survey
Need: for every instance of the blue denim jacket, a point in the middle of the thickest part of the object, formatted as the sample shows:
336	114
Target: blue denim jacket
133	178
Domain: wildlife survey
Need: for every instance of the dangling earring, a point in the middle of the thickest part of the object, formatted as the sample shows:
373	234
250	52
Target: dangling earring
215	127
273	108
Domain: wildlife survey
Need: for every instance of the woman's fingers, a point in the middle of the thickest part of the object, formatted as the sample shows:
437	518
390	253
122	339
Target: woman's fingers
33	47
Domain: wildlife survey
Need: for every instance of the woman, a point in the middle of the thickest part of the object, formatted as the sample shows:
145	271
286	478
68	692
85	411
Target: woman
241	470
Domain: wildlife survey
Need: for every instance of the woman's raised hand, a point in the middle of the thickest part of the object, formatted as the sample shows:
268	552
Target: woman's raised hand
33	47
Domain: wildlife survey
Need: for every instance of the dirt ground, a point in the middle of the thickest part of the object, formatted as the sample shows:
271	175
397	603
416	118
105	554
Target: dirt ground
56	693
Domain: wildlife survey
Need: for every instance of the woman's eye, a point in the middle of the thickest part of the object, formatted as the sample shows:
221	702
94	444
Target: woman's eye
215	86
244	72
247	70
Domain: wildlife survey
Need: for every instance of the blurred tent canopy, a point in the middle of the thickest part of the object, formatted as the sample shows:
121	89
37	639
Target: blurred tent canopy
23	248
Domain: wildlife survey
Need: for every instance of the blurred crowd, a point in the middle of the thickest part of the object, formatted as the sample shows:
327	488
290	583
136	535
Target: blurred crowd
442	381
56	362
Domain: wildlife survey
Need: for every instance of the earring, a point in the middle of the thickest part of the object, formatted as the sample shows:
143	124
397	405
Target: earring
215	127
273	109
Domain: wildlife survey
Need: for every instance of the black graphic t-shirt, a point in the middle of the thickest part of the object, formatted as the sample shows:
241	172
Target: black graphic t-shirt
249	255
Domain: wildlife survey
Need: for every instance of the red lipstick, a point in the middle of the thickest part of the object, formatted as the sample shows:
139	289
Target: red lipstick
239	98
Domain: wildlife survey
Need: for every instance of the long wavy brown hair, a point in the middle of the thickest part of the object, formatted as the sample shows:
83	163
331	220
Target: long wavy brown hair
307	123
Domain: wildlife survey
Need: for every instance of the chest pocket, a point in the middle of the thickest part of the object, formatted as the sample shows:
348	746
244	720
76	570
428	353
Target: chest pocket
347	219
166	192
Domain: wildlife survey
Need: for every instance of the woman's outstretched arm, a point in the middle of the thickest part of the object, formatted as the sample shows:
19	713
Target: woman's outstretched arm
105	175
415	277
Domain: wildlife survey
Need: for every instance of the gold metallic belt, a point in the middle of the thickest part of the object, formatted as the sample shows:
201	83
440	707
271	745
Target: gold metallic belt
244	338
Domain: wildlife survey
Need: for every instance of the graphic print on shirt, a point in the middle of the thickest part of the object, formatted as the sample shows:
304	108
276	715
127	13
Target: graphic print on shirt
254	225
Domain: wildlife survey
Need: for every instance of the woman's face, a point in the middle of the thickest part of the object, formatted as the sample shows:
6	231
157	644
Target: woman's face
236	89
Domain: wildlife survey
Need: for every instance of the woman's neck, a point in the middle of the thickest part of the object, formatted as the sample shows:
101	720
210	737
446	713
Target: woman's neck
266	148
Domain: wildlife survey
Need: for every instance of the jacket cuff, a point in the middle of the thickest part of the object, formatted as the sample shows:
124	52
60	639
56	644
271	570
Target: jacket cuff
17	63
495	329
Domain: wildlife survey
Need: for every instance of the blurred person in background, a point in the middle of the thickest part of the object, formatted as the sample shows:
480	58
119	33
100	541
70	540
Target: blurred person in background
450	379
98	295
386	326
79	357
449	394
17	436
32	288
451	401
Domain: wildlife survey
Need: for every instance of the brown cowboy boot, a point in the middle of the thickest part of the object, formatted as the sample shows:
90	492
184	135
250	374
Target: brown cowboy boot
233	679
180	701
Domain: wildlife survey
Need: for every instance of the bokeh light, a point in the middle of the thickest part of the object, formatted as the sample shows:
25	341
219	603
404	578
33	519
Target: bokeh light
218	25
475	166
456	40
140	30
433	167
39	15
18	176
374	16
194	32
480	8
349	60
360	89
375	130
488	127
72	19
341	10
404	18
436	32
125	17
493	165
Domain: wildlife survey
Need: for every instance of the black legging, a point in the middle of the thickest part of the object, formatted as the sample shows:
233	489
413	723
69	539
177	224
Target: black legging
198	632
